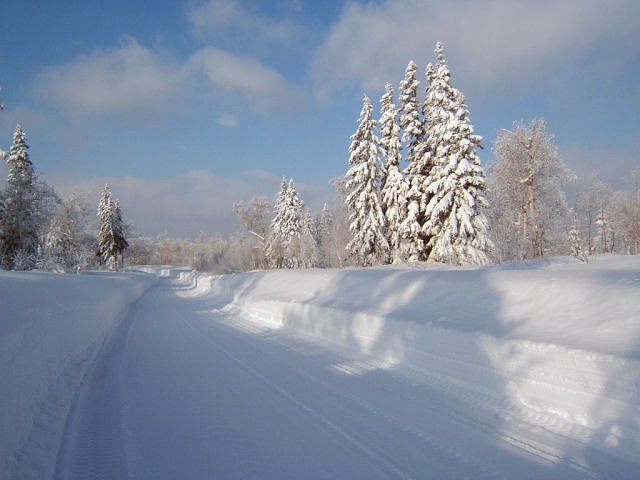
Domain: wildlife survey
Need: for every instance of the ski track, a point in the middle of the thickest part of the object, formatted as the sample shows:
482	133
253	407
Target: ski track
463	407
92	442
176	365
375	418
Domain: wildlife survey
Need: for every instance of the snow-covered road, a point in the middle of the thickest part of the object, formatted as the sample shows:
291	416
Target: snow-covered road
186	388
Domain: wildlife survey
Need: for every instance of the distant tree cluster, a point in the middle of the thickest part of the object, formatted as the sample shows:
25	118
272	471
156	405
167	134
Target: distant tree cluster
442	207
434	208
38	229
530	215
604	220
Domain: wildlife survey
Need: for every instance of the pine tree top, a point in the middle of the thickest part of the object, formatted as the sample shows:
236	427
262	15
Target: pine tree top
18	150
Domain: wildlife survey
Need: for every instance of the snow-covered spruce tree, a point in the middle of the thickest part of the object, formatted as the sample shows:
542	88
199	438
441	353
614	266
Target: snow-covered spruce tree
19	223
285	246
575	242
368	245
448	182
526	179
410	119
393	193
292	221
275	242
292	227
111	238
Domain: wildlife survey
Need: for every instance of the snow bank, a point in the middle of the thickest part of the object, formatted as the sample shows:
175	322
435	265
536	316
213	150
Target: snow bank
555	343
551	346
51	328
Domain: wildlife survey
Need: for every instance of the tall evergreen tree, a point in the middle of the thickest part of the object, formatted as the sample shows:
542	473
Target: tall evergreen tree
453	192
111	237
410	118
19	223
275	243
292	227
368	245
288	244
394	188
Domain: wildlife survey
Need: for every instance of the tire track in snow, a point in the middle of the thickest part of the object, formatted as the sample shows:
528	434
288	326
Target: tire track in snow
92	445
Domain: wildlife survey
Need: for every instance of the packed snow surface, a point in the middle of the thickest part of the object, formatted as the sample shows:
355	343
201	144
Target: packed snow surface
526	370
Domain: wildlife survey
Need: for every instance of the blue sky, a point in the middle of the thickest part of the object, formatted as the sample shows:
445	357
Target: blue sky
186	107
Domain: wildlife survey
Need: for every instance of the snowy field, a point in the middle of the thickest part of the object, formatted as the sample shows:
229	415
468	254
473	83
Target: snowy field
526	371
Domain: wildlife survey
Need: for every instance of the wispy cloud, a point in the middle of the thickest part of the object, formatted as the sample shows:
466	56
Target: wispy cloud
135	81
217	19
227	120
492	42
130	78
188	204
263	87
611	166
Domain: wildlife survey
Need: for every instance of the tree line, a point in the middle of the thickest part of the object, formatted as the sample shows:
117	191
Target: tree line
38	229
414	190
442	206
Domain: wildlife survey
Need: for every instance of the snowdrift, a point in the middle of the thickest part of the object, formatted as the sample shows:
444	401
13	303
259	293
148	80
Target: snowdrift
52	327
554	342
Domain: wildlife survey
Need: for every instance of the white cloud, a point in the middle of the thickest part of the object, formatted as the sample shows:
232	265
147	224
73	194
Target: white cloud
129	79
262	86
491	42
137	82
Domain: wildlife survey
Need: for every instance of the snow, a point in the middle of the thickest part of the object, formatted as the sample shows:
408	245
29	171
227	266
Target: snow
528	370
51	329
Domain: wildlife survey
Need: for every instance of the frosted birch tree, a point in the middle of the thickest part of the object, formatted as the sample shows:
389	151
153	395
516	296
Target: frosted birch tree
68	243
624	207
306	242
368	245
253	217
325	237
526	179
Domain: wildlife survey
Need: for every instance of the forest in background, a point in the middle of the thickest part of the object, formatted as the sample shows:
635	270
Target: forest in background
414	190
